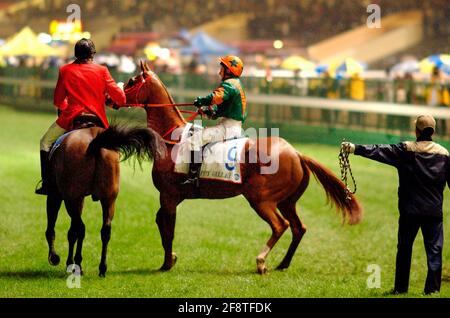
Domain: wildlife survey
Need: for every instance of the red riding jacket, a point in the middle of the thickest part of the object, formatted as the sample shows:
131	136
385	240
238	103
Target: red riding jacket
81	89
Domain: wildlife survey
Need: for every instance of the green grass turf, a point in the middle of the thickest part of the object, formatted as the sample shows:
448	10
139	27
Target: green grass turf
216	241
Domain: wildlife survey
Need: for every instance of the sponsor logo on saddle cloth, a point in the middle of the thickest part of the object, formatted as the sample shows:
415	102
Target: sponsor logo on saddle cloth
220	159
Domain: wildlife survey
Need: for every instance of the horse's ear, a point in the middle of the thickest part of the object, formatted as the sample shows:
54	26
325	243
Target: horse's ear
141	64
147	68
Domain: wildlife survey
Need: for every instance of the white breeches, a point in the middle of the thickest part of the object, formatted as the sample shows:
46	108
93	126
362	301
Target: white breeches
226	129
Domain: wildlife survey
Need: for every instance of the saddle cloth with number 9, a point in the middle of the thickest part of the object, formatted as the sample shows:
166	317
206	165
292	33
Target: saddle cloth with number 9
221	160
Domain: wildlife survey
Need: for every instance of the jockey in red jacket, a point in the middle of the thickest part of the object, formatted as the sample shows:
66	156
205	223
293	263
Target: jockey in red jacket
80	90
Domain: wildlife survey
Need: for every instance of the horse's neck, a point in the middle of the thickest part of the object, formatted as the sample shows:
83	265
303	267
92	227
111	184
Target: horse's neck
163	119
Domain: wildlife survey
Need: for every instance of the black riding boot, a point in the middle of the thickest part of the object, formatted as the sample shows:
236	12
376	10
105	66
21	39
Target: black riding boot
194	169
44	174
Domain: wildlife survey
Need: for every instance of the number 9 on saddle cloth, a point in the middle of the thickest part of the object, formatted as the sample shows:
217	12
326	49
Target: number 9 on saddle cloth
211	153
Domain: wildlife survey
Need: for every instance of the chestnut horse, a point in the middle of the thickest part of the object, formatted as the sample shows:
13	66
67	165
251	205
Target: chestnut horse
272	196
87	163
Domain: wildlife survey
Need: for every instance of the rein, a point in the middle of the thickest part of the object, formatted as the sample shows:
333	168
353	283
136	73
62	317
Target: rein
159	105
344	164
193	113
138	88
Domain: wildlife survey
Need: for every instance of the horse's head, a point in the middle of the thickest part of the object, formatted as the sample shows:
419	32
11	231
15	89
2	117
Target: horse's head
146	88
133	89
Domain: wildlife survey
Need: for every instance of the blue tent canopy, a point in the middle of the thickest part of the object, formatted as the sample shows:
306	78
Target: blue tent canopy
203	44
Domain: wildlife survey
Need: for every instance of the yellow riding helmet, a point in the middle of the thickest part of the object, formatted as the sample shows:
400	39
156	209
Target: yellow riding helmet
233	63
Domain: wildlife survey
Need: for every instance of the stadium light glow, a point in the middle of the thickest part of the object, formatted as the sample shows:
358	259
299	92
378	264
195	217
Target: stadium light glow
278	44
44	38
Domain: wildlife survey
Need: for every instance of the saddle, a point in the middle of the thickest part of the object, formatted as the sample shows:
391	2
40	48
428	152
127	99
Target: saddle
86	120
82	121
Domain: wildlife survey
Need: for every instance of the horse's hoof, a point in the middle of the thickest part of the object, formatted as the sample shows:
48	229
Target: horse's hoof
53	259
165	268
102	270
261	265
282	267
174	259
262	270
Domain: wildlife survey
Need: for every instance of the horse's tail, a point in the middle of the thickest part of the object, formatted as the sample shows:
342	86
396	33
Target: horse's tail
335	189
143	143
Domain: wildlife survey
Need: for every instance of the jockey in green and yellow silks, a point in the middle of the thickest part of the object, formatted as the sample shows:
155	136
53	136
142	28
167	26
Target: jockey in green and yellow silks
229	97
229	104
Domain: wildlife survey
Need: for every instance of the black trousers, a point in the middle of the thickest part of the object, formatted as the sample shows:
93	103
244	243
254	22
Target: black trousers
433	237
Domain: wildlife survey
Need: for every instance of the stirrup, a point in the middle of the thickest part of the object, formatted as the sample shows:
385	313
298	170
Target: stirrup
188	181
42	190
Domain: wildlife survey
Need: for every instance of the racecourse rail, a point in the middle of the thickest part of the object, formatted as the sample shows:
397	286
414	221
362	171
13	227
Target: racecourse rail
268	109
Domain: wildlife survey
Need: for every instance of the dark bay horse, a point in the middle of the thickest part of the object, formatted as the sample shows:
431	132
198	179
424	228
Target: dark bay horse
272	196
87	163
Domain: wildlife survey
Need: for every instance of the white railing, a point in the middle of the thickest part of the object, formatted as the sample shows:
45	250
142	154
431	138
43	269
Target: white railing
405	110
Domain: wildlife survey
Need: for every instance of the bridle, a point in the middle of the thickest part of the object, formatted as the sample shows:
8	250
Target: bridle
137	88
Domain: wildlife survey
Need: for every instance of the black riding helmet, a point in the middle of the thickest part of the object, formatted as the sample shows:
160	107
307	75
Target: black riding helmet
84	49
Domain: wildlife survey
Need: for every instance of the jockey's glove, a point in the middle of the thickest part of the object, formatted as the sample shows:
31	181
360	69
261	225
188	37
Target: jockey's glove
210	113
108	100
348	147
110	103
197	102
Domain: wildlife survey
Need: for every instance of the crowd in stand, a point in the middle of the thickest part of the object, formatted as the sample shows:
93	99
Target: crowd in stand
314	20
308	20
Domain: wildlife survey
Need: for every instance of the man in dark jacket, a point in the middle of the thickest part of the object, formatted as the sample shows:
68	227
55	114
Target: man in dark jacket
424	169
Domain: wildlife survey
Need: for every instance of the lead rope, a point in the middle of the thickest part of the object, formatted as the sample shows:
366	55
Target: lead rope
344	164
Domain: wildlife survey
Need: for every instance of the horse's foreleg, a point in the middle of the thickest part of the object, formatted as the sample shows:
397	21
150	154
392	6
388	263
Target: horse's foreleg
165	218
72	238
74	209
268	211
80	238
108	208
166	224
298	230
53	205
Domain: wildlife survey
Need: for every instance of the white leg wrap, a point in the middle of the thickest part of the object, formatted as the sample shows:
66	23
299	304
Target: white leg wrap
263	254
